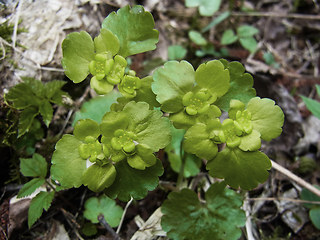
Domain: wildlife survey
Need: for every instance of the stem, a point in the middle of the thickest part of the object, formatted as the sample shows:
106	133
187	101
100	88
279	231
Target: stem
50	185
124	213
295	178
183	156
107	226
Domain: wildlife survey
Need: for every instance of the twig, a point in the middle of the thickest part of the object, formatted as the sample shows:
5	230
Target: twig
295	178
282	199
15	29
107	226
276	15
123	215
248	221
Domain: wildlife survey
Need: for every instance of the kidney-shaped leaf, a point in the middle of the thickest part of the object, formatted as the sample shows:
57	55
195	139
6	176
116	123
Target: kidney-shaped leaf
134	29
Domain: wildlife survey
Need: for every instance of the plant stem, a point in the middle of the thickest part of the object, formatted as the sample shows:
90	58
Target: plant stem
295	178
50	185
183	156
107	226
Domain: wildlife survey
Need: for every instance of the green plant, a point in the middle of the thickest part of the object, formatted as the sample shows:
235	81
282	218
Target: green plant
245	35
314	212
313	105
177	109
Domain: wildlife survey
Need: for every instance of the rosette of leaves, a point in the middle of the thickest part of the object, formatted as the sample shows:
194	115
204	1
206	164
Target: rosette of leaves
189	95
218	217
127	32
240	163
34	98
117	152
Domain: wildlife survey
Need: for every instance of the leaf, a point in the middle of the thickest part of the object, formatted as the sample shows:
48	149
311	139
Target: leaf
53	88
21	95
197	38
95	108
246	31
309	196
239	168
46	112
33	167
67	165
249	43
97	178
217	20
240	85
85	128
106	41
134	29
315	217
206	7
192	163
220	217
198	142
250	142
228	37
134	183
38	203
214	77
151	128
103	205
25	120
29	187
312	105
78	51
171	82
176	52
266	117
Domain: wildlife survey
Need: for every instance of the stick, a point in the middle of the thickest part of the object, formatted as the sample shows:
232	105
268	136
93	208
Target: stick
124	213
295	178
107	226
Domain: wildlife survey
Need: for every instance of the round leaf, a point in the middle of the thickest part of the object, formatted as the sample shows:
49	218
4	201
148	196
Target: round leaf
85	128
171	82
134	29
106	41
107	207
78	51
239	168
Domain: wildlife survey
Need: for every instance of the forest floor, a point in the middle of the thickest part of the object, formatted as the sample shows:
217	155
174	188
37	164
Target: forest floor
285	66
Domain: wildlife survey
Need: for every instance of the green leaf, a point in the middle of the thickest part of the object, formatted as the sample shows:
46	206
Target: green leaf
25	120
197	38
145	94
97	178
240	85
134	183
30	187
103	205
309	196
220	217
95	108
176	52
192	163
21	95
53	88
239	168
228	37
315	217
171	82
67	165
249	43
89	229
214	77
106	41
246	31
250	142
46	112
78	51
85	128
198	142
206	7
38	203
318	89
312	105
134	29
36	86
151	128
33	167
266	117
217	20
